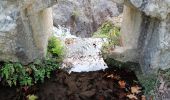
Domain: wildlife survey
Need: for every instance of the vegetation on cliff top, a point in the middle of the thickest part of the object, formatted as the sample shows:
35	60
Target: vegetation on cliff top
109	31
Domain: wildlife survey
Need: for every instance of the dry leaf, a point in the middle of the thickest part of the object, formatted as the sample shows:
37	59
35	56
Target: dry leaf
25	88
101	98
135	89
115	77
122	95
131	96
69	41
143	97
122	83
110	76
29	70
151	98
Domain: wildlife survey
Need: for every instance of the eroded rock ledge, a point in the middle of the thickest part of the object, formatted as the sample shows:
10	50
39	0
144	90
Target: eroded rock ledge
153	8
24	29
146	33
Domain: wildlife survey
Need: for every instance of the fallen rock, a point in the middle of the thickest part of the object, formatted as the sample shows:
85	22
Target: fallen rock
82	54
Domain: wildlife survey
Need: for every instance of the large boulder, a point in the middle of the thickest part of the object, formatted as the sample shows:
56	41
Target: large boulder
83	17
24	29
146	33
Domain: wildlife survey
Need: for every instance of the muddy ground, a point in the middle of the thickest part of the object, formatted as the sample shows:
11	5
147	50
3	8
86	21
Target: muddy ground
98	85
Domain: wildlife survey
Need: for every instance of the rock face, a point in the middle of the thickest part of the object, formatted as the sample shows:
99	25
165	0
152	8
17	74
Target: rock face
84	55
24	29
83	17
26	24
146	33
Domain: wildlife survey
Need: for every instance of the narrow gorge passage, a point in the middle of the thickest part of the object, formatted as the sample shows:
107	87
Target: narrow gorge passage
84	49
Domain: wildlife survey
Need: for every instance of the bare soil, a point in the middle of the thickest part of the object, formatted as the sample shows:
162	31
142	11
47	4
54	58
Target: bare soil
98	85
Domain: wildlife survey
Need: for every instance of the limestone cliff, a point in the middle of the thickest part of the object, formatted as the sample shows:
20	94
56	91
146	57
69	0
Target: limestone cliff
84	17
24	29
146	33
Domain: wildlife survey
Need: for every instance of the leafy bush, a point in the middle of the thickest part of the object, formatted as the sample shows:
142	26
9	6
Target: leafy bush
16	74
32	97
109	31
55	48
75	13
112	33
148	82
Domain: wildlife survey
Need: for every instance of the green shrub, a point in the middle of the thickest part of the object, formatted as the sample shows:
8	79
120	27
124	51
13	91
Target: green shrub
55	48
32	97
15	74
109	31
148	82
75	13
112	33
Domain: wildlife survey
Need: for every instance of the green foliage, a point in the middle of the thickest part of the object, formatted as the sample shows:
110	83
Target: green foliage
165	73
109	31
32	97
75	13
112	33
15	74
55	48
149	83
43	69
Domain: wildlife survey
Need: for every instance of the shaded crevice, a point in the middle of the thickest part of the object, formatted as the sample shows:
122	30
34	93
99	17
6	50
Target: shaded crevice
148	42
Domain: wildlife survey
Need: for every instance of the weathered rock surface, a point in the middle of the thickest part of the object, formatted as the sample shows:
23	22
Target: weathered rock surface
146	33
24	29
83	17
26	24
84	55
153	8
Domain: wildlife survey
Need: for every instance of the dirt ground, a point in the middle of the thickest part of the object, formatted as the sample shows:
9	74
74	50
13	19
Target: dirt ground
111	84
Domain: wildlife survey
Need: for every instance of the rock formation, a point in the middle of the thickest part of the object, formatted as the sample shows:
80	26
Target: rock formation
83	17
26	24
24	29
146	33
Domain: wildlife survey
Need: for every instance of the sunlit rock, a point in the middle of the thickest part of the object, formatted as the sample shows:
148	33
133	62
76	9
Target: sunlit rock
146	33
82	54
24	29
